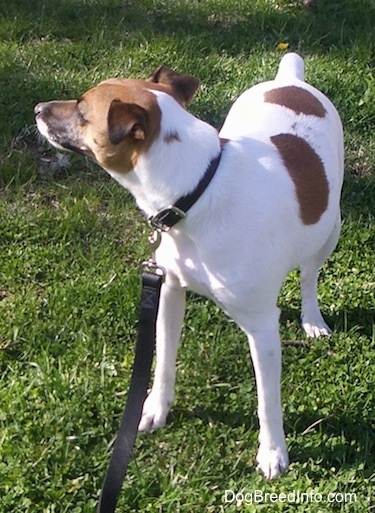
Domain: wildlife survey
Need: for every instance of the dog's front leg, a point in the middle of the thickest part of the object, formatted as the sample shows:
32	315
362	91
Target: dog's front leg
265	348
168	331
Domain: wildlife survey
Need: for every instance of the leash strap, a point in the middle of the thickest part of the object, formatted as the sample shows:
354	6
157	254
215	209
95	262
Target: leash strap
152	279
151	284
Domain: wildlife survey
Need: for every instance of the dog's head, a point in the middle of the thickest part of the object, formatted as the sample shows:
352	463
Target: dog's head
114	122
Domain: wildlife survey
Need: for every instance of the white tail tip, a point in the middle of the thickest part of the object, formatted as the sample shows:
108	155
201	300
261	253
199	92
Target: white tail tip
291	65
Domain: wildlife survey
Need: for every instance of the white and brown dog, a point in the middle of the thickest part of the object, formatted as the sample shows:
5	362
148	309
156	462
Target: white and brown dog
271	204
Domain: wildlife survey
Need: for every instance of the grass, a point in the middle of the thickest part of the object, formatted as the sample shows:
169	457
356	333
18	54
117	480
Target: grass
71	242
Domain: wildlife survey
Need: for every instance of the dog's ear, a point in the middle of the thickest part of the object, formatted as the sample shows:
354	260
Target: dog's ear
126	119
183	86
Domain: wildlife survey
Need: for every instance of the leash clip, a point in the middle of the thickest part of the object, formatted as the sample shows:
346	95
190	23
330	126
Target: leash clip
150	266
155	239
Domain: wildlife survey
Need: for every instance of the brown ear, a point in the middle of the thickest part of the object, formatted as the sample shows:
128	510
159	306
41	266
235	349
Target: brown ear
126	119
183	86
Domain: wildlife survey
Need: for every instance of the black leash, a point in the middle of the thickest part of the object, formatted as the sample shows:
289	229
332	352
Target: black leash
152	279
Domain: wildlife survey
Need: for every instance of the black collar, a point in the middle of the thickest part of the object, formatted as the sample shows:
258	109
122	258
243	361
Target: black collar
166	218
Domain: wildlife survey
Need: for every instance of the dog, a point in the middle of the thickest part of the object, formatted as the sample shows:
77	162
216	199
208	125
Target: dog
271	204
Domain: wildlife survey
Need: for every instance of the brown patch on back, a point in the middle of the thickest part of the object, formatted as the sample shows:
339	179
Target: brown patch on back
297	99
307	172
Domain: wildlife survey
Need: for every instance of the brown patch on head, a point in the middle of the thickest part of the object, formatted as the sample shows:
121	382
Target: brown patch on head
297	99
126	119
114	122
307	172
123	119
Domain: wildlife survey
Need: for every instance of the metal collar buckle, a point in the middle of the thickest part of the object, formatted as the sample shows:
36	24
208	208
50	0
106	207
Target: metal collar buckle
166	218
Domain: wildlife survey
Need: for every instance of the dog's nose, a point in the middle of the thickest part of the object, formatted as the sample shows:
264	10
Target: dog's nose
38	108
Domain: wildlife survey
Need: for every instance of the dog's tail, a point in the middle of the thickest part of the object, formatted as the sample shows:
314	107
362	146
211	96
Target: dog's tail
291	65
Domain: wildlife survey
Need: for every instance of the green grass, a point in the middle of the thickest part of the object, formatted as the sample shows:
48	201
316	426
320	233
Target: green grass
71	242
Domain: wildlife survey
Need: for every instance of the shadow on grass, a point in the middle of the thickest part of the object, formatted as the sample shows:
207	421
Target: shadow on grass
358	195
360	320
341	441
232	28
234	31
337	441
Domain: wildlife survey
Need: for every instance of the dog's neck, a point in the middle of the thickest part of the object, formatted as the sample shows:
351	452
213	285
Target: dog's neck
175	162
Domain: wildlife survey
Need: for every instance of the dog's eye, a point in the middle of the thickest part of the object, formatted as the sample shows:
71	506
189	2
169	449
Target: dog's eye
81	116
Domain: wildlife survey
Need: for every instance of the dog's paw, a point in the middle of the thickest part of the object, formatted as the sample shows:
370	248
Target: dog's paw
272	462
313	322
154	414
317	329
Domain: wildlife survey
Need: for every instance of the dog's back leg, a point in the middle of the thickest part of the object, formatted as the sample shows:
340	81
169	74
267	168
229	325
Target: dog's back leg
262	330
265	347
312	320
